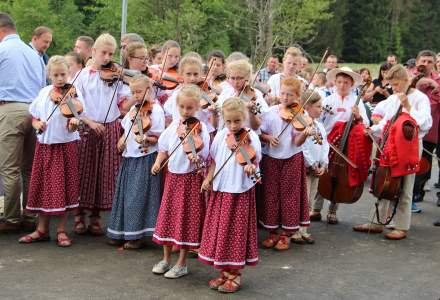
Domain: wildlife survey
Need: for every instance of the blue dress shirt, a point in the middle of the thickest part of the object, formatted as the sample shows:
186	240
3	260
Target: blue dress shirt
22	71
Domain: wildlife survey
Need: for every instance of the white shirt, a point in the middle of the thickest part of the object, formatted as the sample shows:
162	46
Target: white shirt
179	162
98	95
172	110
316	154
231	92
157	127
342	110
275	83
232	178
380	109
272	124
420	112
56	131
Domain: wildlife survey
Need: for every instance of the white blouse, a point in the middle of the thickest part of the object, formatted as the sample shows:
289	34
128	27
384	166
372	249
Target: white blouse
179	162
56	131
172	110
232	178
272	124
420	111
275	83
97	95
342	110
316	154
157	127
231	92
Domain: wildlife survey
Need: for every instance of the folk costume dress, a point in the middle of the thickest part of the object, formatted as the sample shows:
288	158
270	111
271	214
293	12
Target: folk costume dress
99	157
284	202
54	185
398	153
182	209
138	193
229	238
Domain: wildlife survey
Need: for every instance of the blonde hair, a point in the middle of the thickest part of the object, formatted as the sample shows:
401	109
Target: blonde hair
190	91
293	83
189	60
234	104
140	78
292	51
131	49
312	95
56	60
105	39
194	54
397	72
240	65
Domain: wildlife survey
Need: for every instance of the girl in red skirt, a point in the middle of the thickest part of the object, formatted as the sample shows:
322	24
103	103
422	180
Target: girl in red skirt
229	240
54	182
99	157
182	209
285	201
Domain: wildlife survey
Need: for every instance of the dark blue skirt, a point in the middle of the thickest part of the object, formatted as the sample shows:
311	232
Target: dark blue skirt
137	199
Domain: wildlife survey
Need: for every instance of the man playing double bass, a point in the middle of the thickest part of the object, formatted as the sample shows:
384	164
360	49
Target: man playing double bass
411	112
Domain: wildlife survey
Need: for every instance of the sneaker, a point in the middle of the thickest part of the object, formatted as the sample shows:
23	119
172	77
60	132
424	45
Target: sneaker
161	267
415	209
176	272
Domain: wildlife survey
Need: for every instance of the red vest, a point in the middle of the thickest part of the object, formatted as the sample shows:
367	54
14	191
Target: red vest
400	153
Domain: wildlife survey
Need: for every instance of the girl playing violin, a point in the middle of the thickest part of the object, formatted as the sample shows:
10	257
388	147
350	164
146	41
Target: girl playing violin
239	75
229	240
54	182
291	65
99	157
315	154
137	197
216	67
284	203
170	60
190	69
184	144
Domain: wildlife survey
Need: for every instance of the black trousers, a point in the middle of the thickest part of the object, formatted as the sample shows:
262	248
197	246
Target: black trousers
421	179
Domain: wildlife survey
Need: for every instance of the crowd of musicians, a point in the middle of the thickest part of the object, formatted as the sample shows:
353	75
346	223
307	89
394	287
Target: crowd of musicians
194	153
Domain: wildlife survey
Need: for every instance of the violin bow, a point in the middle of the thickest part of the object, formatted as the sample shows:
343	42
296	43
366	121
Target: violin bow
178	145
65	95
374	141
261	65
114	92
339	152
310	96
143	99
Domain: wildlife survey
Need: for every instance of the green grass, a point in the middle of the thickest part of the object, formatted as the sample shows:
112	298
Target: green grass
374	68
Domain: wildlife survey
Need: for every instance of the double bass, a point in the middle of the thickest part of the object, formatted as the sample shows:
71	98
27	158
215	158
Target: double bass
334	184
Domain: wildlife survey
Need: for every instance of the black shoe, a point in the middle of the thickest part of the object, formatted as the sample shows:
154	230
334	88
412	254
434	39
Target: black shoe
438	201
437	223
437	185
417	198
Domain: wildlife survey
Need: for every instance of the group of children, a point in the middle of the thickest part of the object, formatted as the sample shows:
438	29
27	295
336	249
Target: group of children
188	180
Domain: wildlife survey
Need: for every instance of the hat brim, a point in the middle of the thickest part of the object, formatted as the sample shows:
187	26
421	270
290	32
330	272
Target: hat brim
331	76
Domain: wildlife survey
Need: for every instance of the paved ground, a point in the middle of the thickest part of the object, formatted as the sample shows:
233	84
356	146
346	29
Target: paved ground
341	265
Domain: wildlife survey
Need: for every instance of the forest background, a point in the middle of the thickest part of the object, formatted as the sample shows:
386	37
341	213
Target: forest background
357	31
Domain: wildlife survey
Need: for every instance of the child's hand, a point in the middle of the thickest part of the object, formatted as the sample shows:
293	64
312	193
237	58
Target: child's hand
193	158
40	126
121	145
309	131
155	169
73	124
319	171
355	110
273	141
98	128
250	169
212	108
206	185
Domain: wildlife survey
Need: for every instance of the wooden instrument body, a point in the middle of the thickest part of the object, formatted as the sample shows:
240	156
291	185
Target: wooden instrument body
385	186
333	184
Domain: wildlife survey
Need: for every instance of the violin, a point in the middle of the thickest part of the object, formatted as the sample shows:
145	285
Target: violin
67	100
209	97
248	95
112	72
239	143
141	118
166	80
295	115
192	143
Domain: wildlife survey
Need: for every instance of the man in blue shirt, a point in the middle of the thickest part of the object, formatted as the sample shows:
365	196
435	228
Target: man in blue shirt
22	77
41	40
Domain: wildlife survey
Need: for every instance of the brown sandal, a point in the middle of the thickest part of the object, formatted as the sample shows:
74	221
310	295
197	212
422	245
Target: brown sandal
217	282
63	241
134	245
41	237
283	243
95	229
332	219
231	285
315	216
80	225
271	241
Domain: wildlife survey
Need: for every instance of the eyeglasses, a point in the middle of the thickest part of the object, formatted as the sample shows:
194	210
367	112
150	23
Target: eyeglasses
143	58
236	78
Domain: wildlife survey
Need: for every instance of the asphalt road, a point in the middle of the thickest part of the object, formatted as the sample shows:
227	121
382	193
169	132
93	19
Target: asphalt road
341	265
